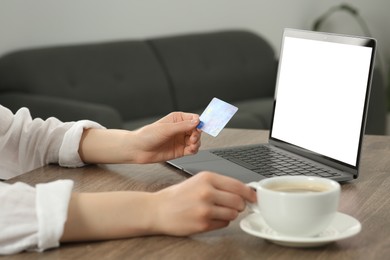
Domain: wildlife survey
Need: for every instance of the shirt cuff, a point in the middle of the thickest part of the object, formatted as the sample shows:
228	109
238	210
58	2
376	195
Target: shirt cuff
69	150
52	201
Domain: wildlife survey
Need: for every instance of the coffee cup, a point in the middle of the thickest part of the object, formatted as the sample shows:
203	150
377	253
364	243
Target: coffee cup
298	206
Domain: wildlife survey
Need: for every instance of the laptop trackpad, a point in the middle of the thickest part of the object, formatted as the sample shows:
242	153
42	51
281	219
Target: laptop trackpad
223	167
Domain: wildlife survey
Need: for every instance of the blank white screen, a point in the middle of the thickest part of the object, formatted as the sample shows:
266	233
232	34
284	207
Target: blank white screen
320	96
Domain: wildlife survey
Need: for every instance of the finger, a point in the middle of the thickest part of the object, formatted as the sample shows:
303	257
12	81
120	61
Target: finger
176	117
186	126
190	116
193	138
192	144
232	185
216	224
230	200
191	149
183	116
220	213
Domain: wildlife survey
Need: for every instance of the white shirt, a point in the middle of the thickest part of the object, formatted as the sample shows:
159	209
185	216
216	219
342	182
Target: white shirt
34	217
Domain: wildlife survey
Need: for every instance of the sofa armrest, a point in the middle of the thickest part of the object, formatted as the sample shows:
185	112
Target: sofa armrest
63	109
376	117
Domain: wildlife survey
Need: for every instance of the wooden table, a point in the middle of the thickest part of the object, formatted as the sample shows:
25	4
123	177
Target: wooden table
366	198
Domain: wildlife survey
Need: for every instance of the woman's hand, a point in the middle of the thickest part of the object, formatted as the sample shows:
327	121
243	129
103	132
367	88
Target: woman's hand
173	136
204	202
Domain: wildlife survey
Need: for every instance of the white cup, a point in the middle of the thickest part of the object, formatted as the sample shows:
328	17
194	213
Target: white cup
299	206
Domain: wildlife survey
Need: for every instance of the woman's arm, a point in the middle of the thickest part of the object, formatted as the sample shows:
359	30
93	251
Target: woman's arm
204	202
173	136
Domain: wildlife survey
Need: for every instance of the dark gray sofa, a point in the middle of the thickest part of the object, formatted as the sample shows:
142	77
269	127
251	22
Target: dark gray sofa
126	84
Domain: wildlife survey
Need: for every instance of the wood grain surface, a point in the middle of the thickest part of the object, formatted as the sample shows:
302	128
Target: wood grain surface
366	199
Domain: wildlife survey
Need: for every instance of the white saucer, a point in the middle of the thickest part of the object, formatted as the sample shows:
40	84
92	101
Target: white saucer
343	226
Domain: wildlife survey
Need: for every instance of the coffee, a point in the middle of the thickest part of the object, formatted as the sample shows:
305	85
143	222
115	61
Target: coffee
297	187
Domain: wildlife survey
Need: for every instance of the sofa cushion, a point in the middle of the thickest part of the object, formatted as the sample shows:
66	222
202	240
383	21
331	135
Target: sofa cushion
63	109
230	65
123	75
138	123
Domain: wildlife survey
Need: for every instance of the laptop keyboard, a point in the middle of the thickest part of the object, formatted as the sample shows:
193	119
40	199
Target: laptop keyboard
269	162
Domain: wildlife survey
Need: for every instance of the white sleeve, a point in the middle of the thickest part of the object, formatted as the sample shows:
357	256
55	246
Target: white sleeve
32	218
27	143
68	152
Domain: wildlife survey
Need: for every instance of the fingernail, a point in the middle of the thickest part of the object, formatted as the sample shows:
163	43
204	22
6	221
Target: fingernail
200	125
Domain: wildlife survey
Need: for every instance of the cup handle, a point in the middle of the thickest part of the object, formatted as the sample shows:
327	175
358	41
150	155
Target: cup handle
253	206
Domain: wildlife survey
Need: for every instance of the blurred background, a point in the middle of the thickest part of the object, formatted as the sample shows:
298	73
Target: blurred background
25	24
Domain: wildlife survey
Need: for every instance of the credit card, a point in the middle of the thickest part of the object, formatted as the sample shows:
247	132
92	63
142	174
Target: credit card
215	117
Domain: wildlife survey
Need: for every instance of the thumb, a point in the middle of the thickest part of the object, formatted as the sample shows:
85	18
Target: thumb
184	126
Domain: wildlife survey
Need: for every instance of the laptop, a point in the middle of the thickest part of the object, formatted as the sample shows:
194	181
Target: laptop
319	115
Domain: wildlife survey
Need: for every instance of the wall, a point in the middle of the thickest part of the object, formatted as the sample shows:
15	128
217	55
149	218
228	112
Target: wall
33	23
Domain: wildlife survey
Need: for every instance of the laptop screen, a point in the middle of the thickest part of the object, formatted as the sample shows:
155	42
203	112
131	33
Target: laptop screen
321	93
